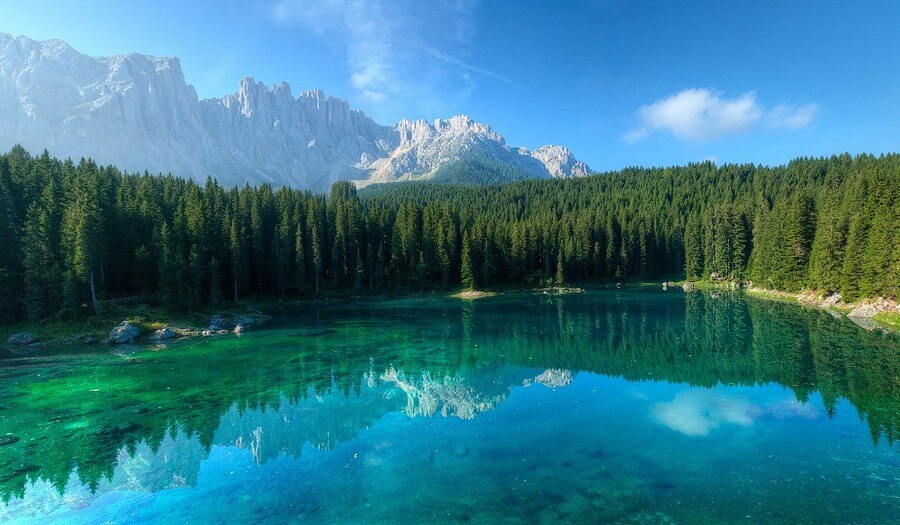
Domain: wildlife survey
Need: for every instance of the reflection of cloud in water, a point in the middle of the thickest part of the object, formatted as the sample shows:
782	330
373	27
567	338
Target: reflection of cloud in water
697	412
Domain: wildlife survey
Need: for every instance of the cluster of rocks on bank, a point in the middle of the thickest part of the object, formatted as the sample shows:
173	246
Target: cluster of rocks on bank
861	313
865	309
128	332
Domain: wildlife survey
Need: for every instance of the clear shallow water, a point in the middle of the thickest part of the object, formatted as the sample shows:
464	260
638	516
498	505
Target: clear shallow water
634	406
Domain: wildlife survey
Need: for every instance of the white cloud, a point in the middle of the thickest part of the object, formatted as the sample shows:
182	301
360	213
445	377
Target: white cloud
702	114
405	56
785	116
636	134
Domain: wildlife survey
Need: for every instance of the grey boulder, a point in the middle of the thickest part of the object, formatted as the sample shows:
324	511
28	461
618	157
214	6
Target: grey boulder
125	333
163	334
863	311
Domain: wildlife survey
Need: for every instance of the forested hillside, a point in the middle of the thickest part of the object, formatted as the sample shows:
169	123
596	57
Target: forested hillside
73	235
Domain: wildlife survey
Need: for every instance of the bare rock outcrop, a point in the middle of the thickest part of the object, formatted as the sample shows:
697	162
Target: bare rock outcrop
139	113
125	333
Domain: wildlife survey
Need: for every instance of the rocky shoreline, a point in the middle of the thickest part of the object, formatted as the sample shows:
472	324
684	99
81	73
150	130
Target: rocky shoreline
865	313
135	332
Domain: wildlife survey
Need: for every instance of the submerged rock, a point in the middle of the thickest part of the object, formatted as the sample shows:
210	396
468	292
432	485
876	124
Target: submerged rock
8	439
866	323
596	453
24	338
663	485
125	333
459	450
77	339
218	323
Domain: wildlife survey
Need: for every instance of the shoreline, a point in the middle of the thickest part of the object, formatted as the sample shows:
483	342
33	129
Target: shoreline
885	320
885	316
160	325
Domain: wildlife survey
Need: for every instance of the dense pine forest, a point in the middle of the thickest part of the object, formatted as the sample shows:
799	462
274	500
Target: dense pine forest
74	235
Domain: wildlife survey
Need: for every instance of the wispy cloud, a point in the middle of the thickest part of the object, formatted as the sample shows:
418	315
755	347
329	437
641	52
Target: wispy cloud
703	115
469	67
785	116
401	55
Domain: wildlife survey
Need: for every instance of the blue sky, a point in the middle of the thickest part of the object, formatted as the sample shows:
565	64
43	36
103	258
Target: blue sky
619	82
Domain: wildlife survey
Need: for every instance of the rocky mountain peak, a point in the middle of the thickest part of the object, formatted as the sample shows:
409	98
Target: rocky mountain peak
138	112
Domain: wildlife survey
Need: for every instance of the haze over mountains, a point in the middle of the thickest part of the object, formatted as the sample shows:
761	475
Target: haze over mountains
139	113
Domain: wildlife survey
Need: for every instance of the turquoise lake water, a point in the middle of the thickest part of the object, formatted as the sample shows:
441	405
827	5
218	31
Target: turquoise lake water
624	406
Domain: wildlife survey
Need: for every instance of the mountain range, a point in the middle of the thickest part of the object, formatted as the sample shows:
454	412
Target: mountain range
139	113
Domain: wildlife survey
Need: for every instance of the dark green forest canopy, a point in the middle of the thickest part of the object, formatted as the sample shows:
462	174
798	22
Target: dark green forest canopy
76	234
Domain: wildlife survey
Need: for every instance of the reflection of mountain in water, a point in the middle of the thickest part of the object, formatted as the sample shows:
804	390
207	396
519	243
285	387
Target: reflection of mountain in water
438	358
174	462
320	420
462	397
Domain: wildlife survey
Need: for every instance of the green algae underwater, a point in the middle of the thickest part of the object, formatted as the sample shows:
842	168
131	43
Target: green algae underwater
622	406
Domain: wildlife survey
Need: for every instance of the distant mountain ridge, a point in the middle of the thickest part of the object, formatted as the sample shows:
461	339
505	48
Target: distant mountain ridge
139	113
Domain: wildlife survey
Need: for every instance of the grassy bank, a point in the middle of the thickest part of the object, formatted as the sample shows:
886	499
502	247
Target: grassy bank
888	319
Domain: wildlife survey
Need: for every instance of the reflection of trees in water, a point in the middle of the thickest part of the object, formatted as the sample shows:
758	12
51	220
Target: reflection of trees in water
705	340
449	358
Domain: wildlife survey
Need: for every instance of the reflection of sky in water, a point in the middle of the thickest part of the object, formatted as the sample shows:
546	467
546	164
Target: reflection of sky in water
544	442
697	412
572	410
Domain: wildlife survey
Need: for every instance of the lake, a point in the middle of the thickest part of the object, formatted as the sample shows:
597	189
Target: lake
626	406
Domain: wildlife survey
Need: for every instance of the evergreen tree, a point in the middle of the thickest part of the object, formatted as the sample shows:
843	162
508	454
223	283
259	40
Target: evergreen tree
84	230
42	262
560	278
467	272
693	250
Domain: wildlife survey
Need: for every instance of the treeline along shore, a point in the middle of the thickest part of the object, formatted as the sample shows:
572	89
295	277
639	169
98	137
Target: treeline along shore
73	234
